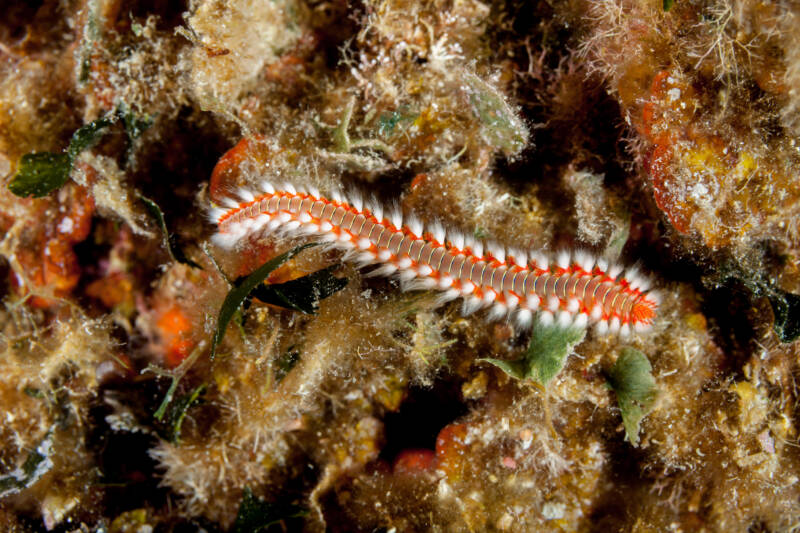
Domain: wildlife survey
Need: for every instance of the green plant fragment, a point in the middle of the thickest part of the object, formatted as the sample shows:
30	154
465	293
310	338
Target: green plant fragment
179	408
40	173
302	294
257	516
242	289
632	380
37	464
667	4
175	375
86	136
170	240
546	354
501	127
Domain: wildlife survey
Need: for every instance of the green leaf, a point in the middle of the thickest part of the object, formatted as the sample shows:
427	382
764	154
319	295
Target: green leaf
302	294
179	408
169	240
37	464
86	136
546	355
667	4
242	289
40	173
633	382
256	515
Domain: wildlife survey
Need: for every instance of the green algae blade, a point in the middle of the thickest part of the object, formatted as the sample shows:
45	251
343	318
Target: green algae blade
170	240
632	380
546	355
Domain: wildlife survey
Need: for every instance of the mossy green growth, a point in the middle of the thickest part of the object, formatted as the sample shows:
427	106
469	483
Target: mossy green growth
546	355
632	380
256	515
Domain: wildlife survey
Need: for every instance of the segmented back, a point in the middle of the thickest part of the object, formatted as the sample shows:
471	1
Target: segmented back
572	289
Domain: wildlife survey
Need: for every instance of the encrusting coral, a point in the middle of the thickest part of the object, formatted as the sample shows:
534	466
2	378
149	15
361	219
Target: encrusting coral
153	380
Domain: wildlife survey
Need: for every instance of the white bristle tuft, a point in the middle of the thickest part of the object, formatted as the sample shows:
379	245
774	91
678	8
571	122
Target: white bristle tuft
415	227
512	300
457	240
325	226
396	218
601	327
497	251
267	187
356	200
596	312
533	302
539	260
477	248
447	296
215	213
382	271
489	296
284	217
573	305
497	311
546	318
384	255
424	270
582	320
625	330
292	225
246	195
230	203
404	262
470	305
524	318
377	211
585	261
614	271
553	303
438	232
421	284
445	282
564	319
467	287
364	243
313	192
563	259
407	274
520	257
614	324
602	265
